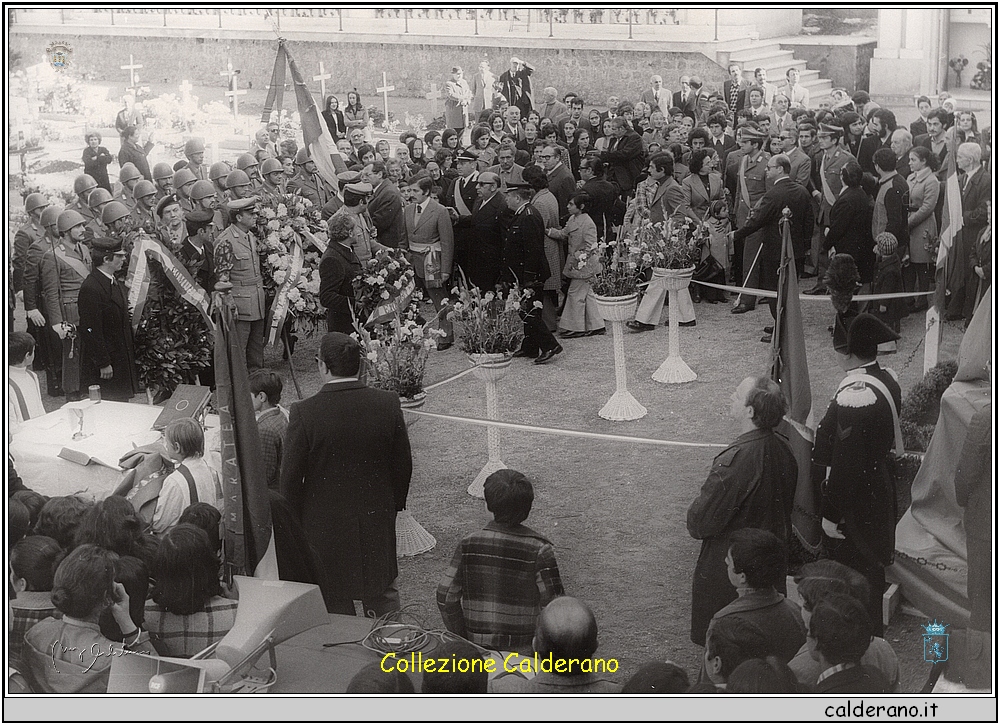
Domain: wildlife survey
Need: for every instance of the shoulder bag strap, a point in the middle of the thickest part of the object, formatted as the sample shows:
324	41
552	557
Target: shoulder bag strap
20	398
192	489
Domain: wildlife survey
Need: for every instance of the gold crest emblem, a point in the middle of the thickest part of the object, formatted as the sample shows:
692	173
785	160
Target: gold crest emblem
59	53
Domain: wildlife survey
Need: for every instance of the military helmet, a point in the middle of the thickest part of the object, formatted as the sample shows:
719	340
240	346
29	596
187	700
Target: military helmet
97	197
34	201
270	165
301	156
143	188
218	170
201	190
183	176
51	215
129	172
194	146
245	161
162	170
114	211
69	219
82	183
236	178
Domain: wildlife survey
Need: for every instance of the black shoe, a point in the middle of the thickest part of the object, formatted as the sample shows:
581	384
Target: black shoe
766	338
692	323
548	355
570	335
524	353
636	326
741	308
815	291
442	346
596	332
769	330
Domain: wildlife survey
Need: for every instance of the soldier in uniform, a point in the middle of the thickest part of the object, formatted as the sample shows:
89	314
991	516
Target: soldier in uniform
120	225
273	173
31	288
751	485
170	228
145	206
99	198
248	164
64	267
83	186
183	180
826	187
163	177
129	176
204	198
197	254
27	235
750	186
217	175
851	465
308	183
194	150
237	261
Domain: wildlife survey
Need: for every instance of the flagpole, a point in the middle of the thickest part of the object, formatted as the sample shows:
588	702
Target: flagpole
786	239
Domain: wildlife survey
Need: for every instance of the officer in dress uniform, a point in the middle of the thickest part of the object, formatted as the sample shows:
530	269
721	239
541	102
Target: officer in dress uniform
851	464
751	184
826	187
237	261
30	244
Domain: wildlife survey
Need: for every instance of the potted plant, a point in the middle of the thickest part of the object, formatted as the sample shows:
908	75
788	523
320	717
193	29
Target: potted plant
396	357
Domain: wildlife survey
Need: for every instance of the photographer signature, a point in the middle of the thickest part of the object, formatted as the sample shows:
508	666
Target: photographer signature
59	652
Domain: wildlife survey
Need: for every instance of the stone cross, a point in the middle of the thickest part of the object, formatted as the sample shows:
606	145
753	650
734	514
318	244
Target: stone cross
234	92
186	89
132	67
323	77
384	90
434	95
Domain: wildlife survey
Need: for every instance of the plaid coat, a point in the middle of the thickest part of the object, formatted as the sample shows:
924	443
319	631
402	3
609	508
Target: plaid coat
498	581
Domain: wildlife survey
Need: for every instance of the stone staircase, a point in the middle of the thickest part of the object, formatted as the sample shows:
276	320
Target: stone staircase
775	61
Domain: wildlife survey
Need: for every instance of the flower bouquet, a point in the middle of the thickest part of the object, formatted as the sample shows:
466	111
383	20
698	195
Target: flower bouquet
674	244
396	356
491	323
385	288
622	263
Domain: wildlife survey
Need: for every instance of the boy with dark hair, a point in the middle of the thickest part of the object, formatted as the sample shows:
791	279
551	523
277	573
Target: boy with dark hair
842	633
730	642
24	394
501	577
265	387
756	564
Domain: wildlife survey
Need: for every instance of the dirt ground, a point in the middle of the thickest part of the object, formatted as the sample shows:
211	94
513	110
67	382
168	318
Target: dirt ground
615	511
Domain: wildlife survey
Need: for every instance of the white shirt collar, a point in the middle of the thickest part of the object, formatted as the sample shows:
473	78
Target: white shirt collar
422	206
109	276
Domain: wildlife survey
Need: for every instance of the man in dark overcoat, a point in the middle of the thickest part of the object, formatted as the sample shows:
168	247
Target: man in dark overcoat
751	485
486	224
345	471
337	270
107	353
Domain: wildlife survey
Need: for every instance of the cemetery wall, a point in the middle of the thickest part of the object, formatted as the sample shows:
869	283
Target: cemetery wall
596	74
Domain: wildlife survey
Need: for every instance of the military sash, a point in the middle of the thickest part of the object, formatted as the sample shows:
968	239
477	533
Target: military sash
879	386
828	194
744	192
77	265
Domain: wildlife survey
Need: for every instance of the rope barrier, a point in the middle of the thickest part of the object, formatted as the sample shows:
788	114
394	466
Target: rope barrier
771	293
564	431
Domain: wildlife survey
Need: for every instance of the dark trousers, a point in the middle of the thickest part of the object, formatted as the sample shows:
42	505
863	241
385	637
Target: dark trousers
437	296
537	337
380	604
251	337
844	551
917	277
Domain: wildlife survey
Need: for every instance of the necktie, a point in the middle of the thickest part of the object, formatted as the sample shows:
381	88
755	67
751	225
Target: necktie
418	211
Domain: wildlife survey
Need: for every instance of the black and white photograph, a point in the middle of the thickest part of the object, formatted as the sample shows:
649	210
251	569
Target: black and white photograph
567	354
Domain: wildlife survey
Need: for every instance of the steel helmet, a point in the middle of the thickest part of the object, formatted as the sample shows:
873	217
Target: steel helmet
143	188
162	170
114	211
236	178
184	176
270	165
51	215
82	183
245	161
69	219
301	156
201	190
194	146
129	172
218	170
98	196
34	201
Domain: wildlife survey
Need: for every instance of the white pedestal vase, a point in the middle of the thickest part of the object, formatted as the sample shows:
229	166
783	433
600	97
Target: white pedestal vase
490	368
674	369
621	405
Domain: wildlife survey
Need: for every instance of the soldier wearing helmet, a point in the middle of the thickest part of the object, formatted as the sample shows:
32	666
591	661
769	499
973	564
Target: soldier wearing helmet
217	175
47	350
83	185
34	205
273	173
99	198
184	179
129	176
145	206
249	164
204	198
163	178
194	150
121	225
307	182
63	268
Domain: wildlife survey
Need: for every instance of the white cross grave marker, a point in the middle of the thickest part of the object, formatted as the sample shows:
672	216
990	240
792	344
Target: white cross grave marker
384	90
132	67
186	89
323	77
234	92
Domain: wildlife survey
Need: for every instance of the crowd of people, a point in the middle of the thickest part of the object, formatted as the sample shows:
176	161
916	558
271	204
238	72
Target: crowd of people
510	191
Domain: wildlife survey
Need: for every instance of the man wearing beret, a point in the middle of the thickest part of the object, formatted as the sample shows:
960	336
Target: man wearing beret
107	354
345	471
851	465
170	227
237	261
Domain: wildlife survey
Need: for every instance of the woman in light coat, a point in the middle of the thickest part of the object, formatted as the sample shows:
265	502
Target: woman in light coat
924	191
581	316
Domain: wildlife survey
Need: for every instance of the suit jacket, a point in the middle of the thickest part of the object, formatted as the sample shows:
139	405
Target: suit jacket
801	166
668	198
563	186
337	270
514	176
132	152
386	211
741	96
850	230
201	265
624	158
723	147
345	471
663	104
918	127
524	250
603	198
695	202
106	338
866	152
553	111
766	216
433	227
486	230
516	88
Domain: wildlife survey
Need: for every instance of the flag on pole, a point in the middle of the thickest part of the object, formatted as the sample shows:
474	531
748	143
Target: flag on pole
791	371
276	91
315	135
249	544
